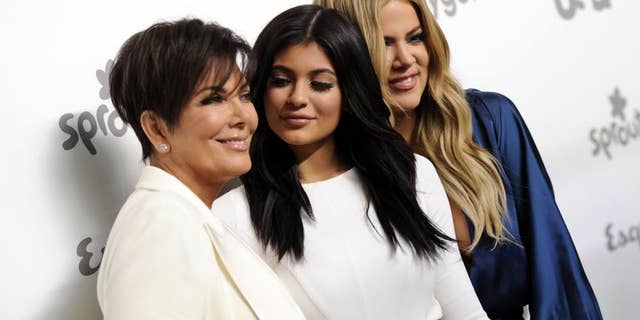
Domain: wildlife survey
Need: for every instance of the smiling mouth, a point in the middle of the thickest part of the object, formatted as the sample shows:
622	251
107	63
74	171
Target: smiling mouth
236	143
404	83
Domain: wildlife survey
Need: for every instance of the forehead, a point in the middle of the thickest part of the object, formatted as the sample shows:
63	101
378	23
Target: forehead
227	78
302	58
398	16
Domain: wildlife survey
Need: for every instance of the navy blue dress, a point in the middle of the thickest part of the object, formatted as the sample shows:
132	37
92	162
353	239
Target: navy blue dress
544	271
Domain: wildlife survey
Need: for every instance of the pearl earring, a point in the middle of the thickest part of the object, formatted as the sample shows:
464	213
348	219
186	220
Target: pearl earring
164	147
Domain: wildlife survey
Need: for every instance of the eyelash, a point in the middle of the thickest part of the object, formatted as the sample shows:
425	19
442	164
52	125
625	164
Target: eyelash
218	98
416	38
246	97
212	99
279	82
319	86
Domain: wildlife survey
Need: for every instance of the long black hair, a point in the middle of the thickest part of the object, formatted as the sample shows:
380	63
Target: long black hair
364	138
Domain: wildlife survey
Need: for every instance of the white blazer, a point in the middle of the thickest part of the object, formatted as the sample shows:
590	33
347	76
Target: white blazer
169	257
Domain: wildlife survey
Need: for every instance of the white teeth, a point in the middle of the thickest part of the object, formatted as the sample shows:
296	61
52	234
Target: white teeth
406	80
236	142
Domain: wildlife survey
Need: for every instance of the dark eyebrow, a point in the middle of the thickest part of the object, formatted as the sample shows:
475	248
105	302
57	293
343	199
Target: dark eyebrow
316	72
411	32
211	88
281	68
218	89
243	85
312	73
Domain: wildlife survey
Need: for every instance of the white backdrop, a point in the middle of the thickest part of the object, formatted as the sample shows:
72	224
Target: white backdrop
569	65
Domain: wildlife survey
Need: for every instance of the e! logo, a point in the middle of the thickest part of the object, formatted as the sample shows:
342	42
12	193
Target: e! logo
85	263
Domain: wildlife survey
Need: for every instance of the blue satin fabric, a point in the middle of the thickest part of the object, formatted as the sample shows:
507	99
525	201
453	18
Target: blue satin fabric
544	270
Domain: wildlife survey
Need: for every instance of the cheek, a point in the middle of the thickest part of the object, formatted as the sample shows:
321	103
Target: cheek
423	59
252	118
213	127
330	107
269	99
270	113
210	123
274	100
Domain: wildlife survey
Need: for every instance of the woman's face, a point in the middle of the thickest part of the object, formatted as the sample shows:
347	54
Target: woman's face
407	56
212	137
303	100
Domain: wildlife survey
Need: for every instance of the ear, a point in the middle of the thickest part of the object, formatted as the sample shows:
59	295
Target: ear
156	130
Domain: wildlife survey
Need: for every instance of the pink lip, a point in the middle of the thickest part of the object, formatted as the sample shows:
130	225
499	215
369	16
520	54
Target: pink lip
235	143
404	83
296	120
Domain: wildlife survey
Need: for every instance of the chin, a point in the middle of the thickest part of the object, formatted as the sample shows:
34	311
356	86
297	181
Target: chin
232	173
295	139
409	100
242	167
237	167
408	103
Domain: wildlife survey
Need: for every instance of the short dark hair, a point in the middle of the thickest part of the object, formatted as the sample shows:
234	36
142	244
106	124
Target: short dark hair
158	69
364	138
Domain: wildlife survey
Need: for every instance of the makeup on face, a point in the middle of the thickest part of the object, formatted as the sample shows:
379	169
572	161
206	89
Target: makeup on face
212	137
407	54
302	102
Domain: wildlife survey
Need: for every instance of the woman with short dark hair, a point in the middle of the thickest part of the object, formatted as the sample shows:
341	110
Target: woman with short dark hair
355	224
167	257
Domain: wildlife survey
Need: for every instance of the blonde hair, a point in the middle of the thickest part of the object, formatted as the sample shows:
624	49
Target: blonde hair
443	132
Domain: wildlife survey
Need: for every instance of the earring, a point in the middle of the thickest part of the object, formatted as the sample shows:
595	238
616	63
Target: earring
164	147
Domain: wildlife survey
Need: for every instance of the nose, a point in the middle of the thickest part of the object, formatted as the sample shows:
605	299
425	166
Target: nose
402	57
243	112
297	98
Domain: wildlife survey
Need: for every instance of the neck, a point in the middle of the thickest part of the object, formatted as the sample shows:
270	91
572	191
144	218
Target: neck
318	162
405	125
205	189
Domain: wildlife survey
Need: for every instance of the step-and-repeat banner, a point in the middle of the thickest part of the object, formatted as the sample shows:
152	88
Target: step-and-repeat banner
571	66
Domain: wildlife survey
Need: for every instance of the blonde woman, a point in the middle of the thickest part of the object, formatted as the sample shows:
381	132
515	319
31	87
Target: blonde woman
168	257
517	248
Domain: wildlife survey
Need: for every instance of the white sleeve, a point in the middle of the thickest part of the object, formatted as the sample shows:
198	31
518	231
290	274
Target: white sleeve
454	291
155	268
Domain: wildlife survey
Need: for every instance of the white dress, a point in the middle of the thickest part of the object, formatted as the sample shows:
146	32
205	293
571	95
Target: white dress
349	271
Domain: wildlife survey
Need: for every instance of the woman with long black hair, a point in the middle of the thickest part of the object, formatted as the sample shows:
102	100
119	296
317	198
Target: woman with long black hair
353	222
